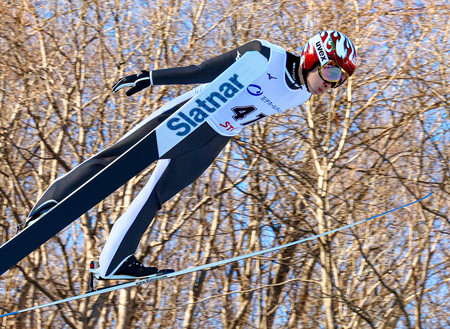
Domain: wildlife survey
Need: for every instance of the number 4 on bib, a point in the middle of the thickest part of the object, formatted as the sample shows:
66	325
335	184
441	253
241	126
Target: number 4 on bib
241	112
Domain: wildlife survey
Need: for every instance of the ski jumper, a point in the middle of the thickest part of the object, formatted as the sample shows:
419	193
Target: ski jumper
278	89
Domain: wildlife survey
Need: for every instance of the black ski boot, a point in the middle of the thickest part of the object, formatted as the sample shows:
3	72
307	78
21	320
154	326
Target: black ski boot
133	269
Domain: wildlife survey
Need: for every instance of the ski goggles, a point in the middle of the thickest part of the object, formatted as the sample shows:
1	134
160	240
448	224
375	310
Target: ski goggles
333	73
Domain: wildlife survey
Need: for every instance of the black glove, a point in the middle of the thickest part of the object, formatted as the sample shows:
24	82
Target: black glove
137	82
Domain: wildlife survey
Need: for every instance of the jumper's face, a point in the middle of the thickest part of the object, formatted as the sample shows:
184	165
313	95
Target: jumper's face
316	84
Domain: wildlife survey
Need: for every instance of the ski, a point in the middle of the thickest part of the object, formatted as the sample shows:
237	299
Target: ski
158	277
228	85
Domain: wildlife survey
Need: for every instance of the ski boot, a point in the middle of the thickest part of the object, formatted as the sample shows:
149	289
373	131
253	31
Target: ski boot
131	269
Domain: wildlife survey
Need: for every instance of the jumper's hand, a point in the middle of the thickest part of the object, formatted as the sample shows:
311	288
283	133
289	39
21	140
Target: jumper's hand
137	82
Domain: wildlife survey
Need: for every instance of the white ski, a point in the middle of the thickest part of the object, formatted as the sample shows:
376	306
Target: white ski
157	277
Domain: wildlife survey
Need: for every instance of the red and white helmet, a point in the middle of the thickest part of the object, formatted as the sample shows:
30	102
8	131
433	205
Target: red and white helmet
330	47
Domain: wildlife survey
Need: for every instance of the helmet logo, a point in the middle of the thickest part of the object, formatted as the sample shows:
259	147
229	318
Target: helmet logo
330	46
320	50
322	55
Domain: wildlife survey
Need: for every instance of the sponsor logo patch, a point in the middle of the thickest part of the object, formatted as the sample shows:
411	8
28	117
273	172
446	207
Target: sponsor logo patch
198	112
